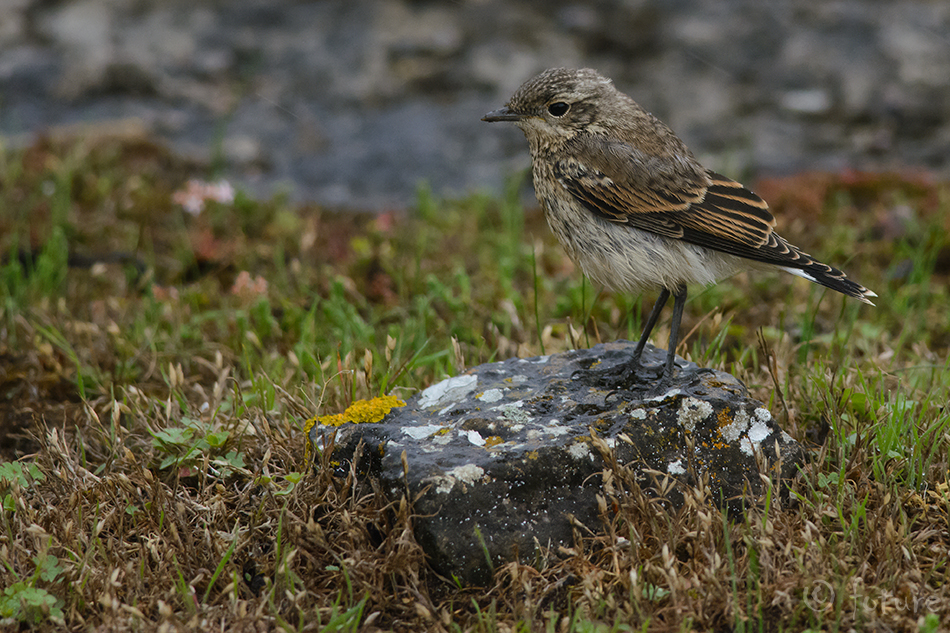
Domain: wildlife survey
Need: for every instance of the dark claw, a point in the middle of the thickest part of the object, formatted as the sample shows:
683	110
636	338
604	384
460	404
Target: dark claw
628	377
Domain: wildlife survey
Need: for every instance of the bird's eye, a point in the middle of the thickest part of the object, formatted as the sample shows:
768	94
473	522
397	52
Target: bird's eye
558	108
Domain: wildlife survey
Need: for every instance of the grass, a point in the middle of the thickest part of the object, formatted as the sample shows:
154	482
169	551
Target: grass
157	368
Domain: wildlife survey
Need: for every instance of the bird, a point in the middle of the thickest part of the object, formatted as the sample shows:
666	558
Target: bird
634	208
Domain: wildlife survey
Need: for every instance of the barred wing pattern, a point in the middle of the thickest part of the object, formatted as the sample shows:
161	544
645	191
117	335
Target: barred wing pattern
712	211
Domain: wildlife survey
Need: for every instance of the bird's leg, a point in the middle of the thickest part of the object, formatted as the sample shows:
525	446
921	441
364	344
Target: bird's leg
628	374
679	301
648	328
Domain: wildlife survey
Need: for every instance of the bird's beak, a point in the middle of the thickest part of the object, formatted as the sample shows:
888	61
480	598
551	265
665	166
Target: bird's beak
502	114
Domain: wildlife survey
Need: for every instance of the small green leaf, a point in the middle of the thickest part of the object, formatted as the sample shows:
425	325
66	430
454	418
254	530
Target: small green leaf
48	567
654	593
175	436
13	472
217	439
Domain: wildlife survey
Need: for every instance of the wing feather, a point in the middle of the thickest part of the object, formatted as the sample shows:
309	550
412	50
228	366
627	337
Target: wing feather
677	198
618	183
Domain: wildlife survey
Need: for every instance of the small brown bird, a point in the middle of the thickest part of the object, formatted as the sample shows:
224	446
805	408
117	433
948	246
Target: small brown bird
634	208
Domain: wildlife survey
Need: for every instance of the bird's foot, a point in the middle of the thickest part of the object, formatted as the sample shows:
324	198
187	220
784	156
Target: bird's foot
630	377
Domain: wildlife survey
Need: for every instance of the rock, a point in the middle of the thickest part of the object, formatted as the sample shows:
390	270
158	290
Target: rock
394	89
13	26
501	459
84	30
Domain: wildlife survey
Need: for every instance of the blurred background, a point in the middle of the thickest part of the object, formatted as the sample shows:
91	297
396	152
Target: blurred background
353	103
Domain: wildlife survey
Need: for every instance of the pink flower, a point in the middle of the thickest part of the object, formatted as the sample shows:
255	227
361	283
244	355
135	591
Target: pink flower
196	192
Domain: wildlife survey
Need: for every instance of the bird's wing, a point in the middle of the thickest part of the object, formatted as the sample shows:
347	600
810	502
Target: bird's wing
683	201
617	182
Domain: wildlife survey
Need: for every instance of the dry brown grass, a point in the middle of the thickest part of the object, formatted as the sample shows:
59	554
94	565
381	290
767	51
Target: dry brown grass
164	413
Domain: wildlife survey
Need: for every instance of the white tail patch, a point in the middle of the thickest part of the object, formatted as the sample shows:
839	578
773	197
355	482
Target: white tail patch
798	272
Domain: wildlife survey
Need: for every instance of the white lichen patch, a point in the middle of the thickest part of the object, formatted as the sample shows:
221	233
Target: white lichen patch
733	431
579	450
758	432
492	395
638	414
443	485
692	412
512	412
449	390
422	431
518	379
762	414
441	439
467	474
474	437
676	468
555	429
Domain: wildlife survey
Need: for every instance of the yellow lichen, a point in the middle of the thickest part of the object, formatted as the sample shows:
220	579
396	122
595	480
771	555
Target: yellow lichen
309	424
361	412
494	440
725	417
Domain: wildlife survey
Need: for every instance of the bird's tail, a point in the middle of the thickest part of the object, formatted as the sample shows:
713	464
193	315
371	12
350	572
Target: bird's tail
804	265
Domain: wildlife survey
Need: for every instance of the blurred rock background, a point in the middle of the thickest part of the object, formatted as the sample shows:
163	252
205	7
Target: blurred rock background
351	103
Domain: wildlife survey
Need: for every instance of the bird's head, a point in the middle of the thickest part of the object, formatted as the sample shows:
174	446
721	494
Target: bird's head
556	105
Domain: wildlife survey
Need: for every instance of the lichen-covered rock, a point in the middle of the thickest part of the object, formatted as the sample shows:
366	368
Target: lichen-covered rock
500	458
